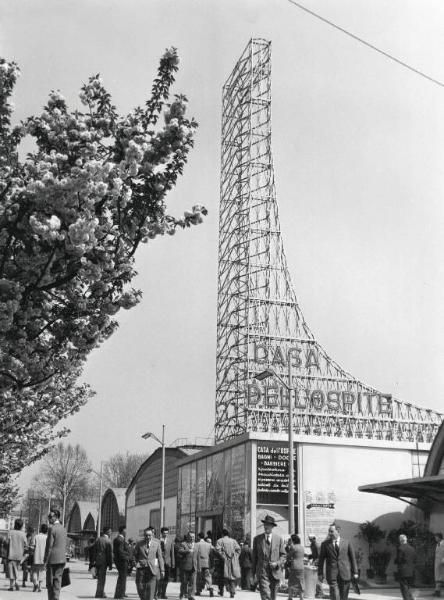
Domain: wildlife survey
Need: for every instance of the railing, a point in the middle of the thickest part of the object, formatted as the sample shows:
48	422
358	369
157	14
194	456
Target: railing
195	442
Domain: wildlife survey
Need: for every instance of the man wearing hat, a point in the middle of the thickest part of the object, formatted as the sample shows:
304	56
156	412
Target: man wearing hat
268	559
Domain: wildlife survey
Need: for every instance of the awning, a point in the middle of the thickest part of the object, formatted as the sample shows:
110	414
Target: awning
421	488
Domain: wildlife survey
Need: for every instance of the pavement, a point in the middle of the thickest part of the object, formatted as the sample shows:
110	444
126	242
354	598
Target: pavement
83	587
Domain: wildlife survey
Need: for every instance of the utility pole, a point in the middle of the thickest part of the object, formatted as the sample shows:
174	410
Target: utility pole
162	488
99	516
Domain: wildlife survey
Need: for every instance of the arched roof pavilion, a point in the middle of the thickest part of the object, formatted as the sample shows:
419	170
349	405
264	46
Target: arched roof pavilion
83	517
113	508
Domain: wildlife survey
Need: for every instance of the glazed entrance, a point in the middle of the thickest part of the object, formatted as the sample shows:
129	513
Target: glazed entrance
211	525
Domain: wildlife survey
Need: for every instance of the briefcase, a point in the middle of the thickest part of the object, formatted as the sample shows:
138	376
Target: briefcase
66	579
355	586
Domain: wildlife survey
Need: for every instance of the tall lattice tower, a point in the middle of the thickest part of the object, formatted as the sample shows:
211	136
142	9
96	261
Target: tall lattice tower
259	321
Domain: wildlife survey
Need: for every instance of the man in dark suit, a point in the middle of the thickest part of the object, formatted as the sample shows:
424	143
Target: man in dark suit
55	555
339	557
268	559
103	553
167	547
246	563
405	560
121	560
149	560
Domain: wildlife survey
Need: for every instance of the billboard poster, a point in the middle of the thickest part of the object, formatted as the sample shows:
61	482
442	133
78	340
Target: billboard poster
319	514
272	473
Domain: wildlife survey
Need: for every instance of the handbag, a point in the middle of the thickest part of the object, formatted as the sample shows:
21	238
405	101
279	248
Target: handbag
66	578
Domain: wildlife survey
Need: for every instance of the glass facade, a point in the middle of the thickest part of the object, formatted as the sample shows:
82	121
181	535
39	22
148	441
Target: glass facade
216	485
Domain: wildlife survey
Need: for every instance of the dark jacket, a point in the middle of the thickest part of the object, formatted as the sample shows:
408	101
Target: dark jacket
186	556
342	563
406	560
246	558
121	551
103	553
315	548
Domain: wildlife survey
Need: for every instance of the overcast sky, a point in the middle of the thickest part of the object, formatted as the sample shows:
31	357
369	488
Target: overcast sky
358	152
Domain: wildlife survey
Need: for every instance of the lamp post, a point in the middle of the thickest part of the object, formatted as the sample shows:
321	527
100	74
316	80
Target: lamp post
64	492
100	476
99	516
146	436
271	373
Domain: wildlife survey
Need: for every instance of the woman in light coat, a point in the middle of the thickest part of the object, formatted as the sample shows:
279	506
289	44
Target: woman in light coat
38	570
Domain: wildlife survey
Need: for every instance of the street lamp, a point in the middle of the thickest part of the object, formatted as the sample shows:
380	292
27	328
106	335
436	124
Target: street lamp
271	373
100	475
64	492
99	516
146	436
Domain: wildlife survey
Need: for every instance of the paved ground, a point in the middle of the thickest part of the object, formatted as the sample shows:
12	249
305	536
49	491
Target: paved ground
83	587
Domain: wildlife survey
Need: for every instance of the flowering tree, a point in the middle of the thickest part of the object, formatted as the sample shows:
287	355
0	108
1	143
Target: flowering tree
72	216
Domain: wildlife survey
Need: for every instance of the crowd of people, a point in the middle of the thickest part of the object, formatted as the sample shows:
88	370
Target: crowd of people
38	556
201	565
197	564
24	551
204	565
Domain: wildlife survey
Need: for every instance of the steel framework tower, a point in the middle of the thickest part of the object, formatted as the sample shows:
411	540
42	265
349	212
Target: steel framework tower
259	322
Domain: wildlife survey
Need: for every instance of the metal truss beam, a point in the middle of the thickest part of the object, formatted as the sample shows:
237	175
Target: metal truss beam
259	320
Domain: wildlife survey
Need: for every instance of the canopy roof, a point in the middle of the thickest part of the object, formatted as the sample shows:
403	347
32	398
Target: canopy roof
421	488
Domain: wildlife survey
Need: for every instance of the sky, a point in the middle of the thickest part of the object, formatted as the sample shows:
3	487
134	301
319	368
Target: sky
358	145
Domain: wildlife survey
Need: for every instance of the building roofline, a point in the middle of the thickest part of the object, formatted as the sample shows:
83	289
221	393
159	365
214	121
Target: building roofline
171	451
436	453
305	439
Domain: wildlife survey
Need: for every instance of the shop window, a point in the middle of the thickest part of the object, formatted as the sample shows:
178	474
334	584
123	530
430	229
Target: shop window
154	520
201	484
227	478
215	482
186	489
238	491
193	487
179	492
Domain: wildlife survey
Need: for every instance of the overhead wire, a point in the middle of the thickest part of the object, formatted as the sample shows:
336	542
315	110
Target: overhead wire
358	39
